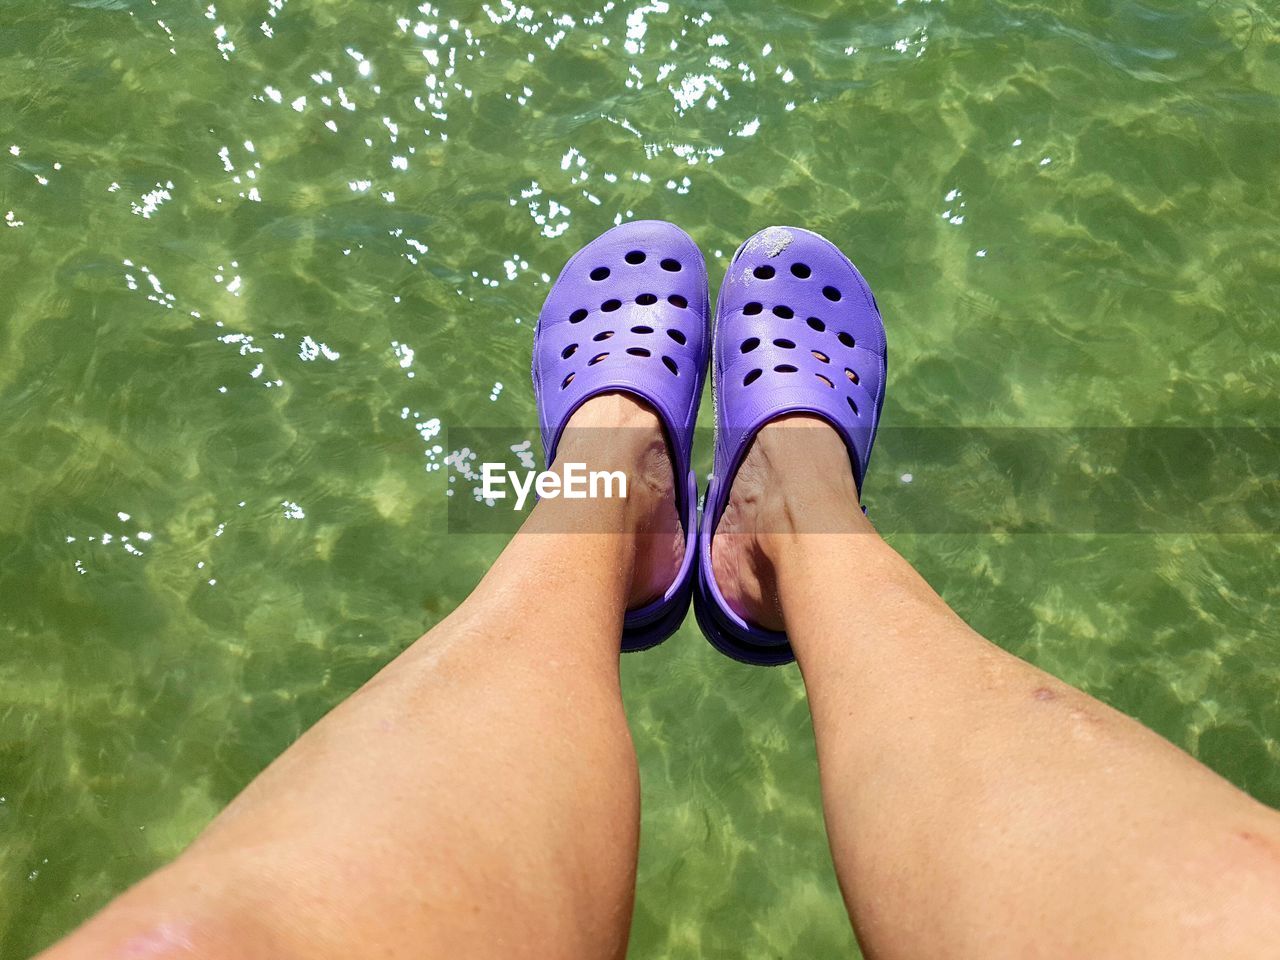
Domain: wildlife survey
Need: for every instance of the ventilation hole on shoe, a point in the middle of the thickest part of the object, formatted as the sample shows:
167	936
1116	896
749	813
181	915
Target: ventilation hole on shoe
646	299
671	365
752	308
816	324
847	340
763	273
831	293
678	337
671	266
786	313
567	380
750	344
634	257
801	270
568	351
577	316
638	352
853	377
642	329
751	377
610	305
825	380
820	356
600	273
596	359
602	335
677	301
852	406
784	368
785	344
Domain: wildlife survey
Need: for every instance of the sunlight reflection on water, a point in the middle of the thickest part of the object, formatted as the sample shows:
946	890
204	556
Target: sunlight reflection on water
260	256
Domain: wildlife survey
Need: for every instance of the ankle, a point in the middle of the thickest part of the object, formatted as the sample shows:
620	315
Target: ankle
795	480
800	479
619	433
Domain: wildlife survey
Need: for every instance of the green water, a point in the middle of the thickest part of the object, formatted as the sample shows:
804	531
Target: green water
213	528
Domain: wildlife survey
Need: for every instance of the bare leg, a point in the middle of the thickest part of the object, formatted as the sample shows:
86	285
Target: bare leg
976	806
479	797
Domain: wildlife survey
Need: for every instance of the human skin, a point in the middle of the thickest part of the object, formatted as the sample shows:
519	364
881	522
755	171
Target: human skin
976	806
480	798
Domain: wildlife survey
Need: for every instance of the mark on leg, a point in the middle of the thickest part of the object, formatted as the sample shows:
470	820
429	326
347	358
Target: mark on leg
1083	723
1263	846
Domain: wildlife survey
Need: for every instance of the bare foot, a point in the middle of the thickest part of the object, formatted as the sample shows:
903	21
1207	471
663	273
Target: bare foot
796	480
617	431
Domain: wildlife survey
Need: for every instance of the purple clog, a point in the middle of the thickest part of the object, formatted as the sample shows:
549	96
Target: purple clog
629	314
797	331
